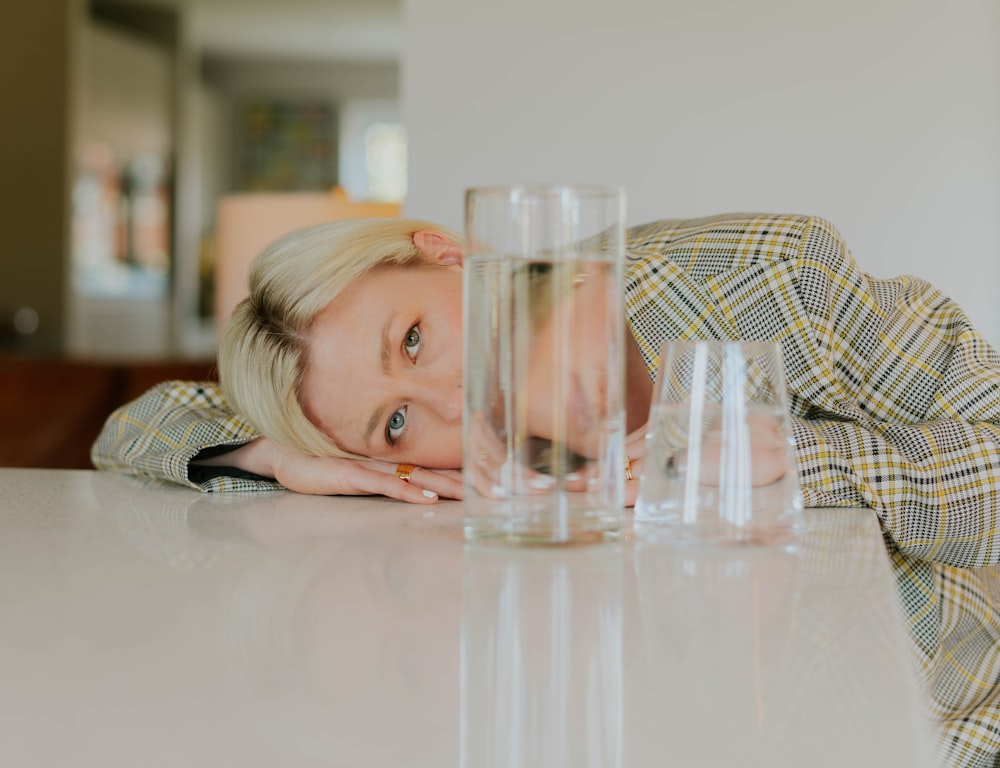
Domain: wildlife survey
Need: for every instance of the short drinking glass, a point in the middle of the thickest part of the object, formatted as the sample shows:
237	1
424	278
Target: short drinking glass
720	464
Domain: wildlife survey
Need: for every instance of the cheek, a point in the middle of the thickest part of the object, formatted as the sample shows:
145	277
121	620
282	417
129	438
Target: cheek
592	330
455	319
449	321
442	450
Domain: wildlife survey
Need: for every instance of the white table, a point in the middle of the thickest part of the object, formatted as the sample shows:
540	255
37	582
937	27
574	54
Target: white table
146	625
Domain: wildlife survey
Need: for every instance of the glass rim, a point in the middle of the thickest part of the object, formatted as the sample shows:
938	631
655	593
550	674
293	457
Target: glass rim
541	191
768	344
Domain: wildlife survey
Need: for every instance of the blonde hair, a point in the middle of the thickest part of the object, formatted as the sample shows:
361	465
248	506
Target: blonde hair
264	348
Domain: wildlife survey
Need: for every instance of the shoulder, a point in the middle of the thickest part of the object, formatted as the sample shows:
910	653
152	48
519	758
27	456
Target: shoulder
738	239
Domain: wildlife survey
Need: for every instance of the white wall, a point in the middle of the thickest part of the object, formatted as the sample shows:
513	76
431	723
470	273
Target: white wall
883	116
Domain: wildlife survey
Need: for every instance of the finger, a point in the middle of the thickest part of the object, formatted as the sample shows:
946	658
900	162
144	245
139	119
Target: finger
483	478
493	473
446	484
635	453
631	492
484	444
390	468
635	444
365	480
336	476
498	480
632	486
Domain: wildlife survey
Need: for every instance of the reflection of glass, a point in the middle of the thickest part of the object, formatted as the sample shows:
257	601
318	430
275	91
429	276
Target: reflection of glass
544	354
541	658
350	633
716	634
770	657
720	466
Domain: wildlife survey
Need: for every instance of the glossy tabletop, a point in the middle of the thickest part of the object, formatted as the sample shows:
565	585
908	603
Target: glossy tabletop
148	625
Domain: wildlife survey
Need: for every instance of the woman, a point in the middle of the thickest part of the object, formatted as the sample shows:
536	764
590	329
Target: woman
390	345
343	368
883	374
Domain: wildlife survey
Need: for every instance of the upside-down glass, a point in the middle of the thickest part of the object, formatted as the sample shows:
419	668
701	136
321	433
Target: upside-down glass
544	364
720	464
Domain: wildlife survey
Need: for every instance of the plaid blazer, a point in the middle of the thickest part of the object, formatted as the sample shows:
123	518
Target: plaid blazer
895	400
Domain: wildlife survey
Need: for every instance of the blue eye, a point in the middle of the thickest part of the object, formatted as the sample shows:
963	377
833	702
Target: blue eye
412	342
395	426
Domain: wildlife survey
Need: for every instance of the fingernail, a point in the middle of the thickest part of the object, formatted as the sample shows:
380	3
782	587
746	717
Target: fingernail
498	492
573	476
430	494
541	482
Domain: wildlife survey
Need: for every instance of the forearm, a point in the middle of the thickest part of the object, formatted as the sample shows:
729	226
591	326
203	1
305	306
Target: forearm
248	461
160	433
935	487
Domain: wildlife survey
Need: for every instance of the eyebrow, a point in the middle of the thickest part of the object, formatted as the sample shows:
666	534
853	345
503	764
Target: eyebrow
386	344
386	356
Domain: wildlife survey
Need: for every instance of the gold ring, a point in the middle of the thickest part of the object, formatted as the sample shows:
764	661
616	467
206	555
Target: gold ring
628	468
403	472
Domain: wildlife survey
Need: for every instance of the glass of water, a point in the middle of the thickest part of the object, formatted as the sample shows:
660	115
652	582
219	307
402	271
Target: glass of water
544	419
720	462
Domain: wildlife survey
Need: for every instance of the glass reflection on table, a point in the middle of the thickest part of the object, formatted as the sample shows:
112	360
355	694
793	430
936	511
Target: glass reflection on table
366	632
542	677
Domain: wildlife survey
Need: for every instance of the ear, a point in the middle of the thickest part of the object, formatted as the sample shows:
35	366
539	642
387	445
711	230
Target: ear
438	248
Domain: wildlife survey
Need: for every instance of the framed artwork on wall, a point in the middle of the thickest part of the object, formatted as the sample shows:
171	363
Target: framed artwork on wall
285	144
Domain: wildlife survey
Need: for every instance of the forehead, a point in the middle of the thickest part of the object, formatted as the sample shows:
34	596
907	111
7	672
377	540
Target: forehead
382	285
342	347
344	325
372	295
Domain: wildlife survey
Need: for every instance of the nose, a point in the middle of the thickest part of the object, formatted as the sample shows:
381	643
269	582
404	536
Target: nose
444	396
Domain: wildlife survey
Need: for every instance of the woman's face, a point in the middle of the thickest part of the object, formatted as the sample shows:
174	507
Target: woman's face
384	370
383	373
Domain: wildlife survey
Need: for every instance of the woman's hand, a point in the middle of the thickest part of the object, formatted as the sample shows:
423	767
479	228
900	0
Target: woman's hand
493	476
329	476
635	452
768	461
490	465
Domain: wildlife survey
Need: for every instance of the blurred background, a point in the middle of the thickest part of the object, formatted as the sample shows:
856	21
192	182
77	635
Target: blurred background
141	141
150	148
152	112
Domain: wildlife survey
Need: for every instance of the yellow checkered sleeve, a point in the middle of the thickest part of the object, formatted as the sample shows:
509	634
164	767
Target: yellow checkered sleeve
895	401
159	433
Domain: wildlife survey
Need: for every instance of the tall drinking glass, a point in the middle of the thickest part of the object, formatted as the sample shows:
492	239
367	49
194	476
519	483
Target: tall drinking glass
544	359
